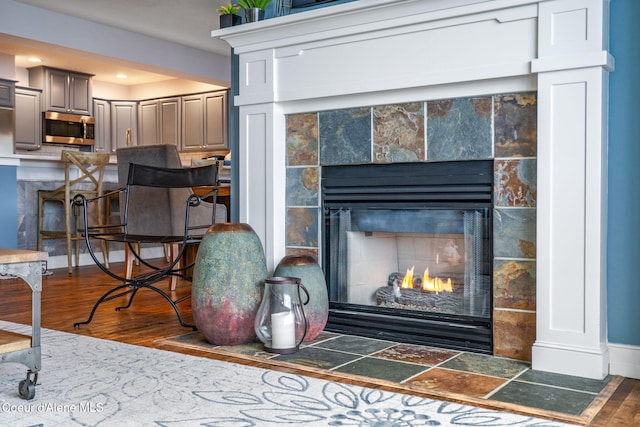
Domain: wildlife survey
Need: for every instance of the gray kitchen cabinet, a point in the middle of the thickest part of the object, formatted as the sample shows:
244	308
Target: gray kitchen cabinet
102	131
159	121
192	122
124	123
215	122
63	91
204	121
28	118
7	90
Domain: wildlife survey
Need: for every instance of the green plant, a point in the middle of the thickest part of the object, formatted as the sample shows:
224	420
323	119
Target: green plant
259	4
230	9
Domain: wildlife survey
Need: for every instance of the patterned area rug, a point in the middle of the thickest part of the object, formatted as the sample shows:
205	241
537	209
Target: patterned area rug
89	382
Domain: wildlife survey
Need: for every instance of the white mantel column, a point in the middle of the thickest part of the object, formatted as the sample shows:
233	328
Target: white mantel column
261	162
262	179
572	69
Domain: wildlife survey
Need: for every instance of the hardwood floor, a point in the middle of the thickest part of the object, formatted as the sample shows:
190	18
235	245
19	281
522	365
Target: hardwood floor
68	298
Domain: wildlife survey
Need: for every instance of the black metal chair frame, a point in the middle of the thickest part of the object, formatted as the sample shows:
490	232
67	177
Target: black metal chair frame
158	177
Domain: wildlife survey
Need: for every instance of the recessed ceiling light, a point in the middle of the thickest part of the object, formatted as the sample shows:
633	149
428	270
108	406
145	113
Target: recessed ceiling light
121	76
34	59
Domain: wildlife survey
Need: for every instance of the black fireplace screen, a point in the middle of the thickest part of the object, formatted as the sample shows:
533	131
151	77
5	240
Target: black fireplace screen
407	251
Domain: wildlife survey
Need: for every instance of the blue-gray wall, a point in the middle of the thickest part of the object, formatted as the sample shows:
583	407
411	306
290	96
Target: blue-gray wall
9	210
623	245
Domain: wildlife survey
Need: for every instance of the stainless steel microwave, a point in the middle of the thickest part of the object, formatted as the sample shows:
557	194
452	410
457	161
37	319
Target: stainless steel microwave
73	129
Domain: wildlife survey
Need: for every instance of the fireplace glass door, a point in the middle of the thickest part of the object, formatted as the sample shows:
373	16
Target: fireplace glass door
433	261
407	252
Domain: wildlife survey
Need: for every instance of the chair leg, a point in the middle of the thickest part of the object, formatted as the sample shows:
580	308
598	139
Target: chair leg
67	218
105	253
40	221
173	250
73	234
136	261
128	262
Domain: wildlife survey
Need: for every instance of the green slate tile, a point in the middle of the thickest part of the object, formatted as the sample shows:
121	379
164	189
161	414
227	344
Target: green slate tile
317	358
565	381
358	345
544	397
486	365
382	369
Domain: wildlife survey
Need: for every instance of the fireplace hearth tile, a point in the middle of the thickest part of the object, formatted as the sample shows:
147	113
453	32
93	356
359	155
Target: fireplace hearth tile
416	354
434	370
354	344
459	382
587	385
382	369
317	358
544	397
486	365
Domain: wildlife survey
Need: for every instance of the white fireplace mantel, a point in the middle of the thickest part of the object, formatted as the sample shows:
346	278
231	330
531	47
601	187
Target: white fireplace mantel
385	51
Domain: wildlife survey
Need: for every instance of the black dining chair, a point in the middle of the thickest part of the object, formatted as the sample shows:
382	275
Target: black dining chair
150	198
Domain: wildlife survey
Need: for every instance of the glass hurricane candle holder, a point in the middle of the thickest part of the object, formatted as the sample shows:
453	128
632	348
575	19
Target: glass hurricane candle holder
281	323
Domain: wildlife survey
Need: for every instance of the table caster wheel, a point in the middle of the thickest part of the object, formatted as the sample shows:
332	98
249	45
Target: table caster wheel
27	389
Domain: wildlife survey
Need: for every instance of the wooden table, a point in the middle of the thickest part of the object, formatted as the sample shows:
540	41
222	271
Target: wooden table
224	196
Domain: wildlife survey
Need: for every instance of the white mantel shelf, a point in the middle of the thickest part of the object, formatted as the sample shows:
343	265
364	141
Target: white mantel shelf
378	52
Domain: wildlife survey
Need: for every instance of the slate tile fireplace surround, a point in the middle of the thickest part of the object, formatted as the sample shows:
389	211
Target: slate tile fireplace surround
521	83
456	130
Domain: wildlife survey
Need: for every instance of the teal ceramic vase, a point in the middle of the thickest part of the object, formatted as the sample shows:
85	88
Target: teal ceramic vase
228	278
307	269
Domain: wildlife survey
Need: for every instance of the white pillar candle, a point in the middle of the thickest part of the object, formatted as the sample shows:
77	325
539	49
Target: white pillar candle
283	330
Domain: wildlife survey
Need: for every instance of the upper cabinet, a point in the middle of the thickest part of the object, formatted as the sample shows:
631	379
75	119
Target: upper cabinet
204	121
102	131
124	124
191	122
159	121
63	91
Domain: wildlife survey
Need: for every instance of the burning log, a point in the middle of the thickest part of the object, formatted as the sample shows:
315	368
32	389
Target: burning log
419	293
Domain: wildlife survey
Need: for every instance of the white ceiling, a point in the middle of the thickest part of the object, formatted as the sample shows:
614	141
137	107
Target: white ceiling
186	22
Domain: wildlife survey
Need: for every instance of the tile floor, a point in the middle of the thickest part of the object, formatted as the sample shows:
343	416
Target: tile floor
434	369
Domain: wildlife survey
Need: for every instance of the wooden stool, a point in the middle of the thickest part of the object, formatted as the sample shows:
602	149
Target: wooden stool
90	167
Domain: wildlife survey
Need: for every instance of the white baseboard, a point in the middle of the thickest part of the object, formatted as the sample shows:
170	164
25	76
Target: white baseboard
624	360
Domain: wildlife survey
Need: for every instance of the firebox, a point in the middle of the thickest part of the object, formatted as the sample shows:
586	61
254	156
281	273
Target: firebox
408	253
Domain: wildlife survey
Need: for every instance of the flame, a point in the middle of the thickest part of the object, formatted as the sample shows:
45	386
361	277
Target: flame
428	284
436	284
407	282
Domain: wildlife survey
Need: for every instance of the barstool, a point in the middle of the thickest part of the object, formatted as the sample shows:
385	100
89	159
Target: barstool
90	173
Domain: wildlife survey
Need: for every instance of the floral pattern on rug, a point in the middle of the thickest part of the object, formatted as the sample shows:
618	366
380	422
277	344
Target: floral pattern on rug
93	382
